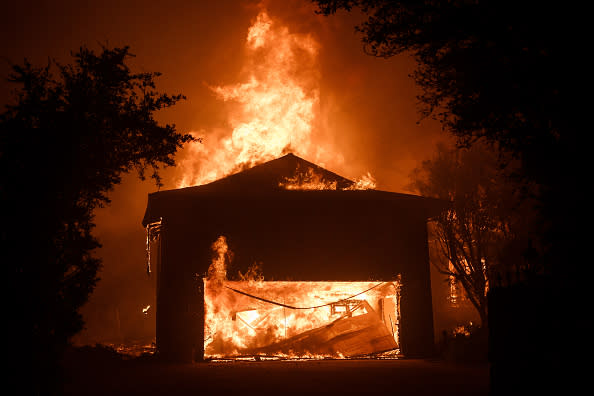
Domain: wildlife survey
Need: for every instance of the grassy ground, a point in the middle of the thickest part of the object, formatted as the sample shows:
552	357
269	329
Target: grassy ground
100	371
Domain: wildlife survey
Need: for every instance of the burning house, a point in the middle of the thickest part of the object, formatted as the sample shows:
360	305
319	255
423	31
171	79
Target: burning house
346	270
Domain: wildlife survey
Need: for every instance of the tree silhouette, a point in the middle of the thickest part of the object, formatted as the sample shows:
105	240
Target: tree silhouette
71	133
512	73
503	71
487	217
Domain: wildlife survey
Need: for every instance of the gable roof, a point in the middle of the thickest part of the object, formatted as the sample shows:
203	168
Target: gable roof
265	181
270	175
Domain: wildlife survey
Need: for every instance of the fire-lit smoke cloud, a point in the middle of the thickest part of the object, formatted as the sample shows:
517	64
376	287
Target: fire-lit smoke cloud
275	106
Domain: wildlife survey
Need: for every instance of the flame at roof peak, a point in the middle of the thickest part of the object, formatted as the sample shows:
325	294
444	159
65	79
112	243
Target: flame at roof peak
275	174
266	182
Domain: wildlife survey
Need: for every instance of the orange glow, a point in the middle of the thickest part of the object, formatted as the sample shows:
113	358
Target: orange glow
308	180
270	318
311	180
218	268
296	319
275	105
366	182
275	108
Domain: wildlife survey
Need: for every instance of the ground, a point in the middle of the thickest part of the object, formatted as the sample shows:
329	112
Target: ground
103	373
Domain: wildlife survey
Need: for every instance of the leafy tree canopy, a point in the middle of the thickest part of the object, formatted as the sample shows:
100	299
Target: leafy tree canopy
65	142
513	72
488	216
506	71
498	69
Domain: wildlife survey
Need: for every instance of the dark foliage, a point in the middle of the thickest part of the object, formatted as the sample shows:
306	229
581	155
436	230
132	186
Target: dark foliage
506	71
64	144
486	216
494	69
466	344
512	73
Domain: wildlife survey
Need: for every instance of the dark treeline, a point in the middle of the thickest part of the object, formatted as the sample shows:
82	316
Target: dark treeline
70	134
510	74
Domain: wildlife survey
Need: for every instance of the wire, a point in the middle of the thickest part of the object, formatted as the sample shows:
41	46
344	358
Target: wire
292	307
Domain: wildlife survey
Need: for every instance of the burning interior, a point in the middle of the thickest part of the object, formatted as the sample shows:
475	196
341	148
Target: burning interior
300	319
347	270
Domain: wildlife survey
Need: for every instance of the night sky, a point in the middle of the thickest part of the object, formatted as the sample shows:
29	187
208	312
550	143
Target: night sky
367	111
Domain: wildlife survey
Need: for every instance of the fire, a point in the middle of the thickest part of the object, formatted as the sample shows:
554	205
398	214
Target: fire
276	106
300	319
145	309
366	182
217	271
297	319
308	180
312	180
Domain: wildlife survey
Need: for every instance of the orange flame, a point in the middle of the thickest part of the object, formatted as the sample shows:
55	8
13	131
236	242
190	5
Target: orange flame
312	180
217	271
258	319
276	106
253	317
308	180
365	182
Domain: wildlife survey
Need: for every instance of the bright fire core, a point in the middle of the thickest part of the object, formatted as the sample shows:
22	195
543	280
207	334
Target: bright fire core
300	319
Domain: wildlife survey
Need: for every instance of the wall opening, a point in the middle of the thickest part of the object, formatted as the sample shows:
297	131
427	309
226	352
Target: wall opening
301	319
